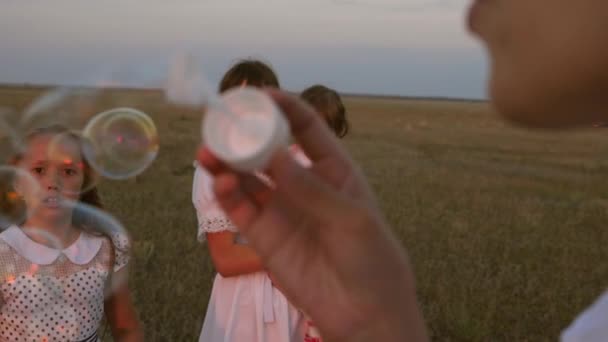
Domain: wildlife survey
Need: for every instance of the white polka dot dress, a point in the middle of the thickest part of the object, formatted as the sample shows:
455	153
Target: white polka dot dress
49	294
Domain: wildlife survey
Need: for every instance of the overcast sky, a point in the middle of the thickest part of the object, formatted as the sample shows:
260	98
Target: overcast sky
407	47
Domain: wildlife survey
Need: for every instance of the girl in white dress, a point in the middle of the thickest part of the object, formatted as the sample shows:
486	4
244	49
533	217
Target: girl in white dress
58	277
244	305
329	106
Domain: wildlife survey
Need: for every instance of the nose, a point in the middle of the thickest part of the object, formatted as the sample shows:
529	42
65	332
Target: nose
53	181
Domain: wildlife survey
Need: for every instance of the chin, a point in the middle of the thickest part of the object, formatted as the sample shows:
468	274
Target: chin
547	95
544	109
54	214
527	103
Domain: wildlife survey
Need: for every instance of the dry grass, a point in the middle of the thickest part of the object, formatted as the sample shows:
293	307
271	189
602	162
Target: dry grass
505	227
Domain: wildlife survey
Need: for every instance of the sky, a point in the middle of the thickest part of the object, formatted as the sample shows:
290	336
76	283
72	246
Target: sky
385	47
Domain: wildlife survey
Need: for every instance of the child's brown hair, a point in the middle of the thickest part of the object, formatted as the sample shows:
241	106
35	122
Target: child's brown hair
329	104
251	72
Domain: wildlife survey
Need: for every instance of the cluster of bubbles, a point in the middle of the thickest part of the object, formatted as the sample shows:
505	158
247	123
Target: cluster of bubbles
118	141
99	131
115	140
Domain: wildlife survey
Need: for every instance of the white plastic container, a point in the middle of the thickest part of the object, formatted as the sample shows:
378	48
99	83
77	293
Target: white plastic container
245	128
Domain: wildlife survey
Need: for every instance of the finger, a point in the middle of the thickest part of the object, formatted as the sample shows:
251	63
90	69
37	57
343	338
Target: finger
241	208
252	184
235	189
258	189
209	161
304	190
313	135
277	225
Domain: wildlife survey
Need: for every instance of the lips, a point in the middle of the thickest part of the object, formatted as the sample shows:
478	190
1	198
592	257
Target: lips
52	201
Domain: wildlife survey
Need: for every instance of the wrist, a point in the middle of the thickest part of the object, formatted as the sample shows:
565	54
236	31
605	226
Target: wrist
407	326
399	319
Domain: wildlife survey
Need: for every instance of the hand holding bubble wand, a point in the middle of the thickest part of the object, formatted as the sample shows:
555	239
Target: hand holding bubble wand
243	127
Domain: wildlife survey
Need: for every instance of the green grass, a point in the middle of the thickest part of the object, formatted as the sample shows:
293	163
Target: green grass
505	227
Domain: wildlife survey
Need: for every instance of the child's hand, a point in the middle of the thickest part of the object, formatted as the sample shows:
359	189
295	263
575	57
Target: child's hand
322	237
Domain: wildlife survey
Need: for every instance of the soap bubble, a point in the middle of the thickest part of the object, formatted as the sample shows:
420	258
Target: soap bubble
70	108
124	142
19	195
119	140
62	149
186	84
9	138
62	112
98	223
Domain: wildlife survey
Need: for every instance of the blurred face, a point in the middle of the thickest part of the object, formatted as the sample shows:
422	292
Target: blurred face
549	58
55	163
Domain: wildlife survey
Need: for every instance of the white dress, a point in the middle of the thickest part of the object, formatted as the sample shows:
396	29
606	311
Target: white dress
591	325
49	294
246	307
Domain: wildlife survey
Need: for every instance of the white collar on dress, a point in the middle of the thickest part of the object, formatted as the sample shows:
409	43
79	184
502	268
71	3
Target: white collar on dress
81	252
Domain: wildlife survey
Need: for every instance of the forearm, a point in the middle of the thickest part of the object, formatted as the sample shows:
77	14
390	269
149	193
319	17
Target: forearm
133	334
406	327
120	312
238	260
398	320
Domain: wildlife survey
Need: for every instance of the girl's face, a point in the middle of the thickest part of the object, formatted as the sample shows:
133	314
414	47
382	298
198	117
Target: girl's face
549	58
54	160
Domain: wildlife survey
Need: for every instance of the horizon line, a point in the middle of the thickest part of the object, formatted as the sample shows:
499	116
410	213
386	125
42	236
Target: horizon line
343	94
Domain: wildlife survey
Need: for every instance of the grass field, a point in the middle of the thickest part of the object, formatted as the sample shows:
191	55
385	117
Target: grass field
506	227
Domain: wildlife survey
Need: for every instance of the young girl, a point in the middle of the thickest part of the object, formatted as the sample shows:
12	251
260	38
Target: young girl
328	104
244	304
55	271
549	68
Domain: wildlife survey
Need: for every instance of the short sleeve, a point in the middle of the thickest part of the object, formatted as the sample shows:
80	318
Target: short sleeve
211	218
121	244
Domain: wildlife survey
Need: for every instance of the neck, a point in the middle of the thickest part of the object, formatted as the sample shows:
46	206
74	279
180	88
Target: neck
51	232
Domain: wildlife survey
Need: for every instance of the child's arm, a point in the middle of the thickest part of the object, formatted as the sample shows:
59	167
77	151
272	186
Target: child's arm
120	312
232	259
